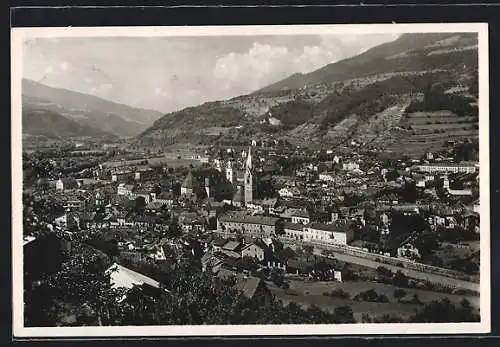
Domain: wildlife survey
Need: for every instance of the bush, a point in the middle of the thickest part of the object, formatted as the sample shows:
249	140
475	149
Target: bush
399	294
382	270
371	296
338	293
400	280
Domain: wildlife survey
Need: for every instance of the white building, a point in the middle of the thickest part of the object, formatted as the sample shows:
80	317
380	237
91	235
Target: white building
301	217
328	233
125	189
326	177
448	168
350	166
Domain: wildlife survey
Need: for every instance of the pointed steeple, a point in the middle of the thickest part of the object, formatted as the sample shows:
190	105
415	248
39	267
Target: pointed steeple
248	164
249	186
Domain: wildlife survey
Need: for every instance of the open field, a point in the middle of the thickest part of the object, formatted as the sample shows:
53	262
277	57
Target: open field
174	162
307	293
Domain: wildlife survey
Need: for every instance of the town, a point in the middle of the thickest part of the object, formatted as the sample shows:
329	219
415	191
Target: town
343	232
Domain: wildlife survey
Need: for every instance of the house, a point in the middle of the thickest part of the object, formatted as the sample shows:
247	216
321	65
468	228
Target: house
301	216
476	207
218	243
125	189
285	192
253	250
384	218
299	266
470	221
67	183
188	185
326	177
294	231
459	193
464	167
147	195
156	206
122	277
143	172
408	250
248	224
67	220
232	249
328	233
254	289
120	175
210	260
350	166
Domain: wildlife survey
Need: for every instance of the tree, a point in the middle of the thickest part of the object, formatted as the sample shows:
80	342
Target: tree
308	250
391	175
409	192
344	314
140	203
399	294
427	243
445	311
400	279
416	300
247	263
81	287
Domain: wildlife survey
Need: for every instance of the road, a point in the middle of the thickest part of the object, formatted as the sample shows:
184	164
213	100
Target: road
408	272
419	275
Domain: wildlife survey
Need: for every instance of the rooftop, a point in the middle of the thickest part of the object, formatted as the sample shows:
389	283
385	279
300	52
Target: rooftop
294	226
123	277
232	245
244	218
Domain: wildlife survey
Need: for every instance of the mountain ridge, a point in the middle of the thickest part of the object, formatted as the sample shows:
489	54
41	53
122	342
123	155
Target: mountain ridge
89	110
342	68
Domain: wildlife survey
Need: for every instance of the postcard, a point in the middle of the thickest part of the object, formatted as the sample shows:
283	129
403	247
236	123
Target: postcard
287	180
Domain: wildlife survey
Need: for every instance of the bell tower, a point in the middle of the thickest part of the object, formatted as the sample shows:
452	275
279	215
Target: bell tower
248	178
230	174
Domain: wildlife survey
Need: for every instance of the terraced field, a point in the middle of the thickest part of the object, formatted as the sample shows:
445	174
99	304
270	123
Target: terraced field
429	131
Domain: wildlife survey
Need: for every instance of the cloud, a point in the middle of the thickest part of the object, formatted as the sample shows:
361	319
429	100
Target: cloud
263	64
49	69
64	66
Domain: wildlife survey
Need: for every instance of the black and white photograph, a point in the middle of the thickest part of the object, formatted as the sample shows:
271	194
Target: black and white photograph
250	180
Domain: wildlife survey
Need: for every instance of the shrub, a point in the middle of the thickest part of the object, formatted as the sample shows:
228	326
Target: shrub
338	293
400	279
399	294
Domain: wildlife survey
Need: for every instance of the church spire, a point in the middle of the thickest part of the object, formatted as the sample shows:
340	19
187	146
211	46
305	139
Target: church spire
249	186
248	164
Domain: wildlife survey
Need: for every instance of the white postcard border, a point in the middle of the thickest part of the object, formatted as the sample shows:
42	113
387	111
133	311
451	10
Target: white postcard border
19	35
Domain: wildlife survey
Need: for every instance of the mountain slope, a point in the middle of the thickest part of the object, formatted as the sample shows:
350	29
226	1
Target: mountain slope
45	123
410	52
369	99
89	110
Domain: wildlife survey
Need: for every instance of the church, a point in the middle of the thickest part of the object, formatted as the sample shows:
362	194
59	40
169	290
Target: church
205	184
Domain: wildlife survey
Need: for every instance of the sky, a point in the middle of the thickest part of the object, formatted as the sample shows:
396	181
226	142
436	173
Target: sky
170	73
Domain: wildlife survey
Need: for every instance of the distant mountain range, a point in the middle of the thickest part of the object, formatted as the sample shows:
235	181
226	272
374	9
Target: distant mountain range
364	97
93	114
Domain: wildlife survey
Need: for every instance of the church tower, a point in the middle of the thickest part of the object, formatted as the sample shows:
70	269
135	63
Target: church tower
218	165
230	174
249	178
207	186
